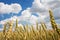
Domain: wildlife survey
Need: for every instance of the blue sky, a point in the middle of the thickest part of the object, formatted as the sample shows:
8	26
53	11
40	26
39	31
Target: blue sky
23	3
28	11
27	3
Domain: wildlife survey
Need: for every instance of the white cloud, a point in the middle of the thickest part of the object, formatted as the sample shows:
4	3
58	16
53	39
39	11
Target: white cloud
9	19
52	4
33	19
12	8
44	1
42	7
26	13
38	7
1	29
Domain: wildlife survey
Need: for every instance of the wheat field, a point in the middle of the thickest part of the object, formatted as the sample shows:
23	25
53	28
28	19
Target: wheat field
29	32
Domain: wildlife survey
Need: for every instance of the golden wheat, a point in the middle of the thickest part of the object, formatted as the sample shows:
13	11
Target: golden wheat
30	32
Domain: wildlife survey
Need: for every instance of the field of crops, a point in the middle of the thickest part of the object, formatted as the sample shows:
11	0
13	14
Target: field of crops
29	32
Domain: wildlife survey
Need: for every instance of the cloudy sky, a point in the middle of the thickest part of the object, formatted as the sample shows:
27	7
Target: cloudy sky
28	11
